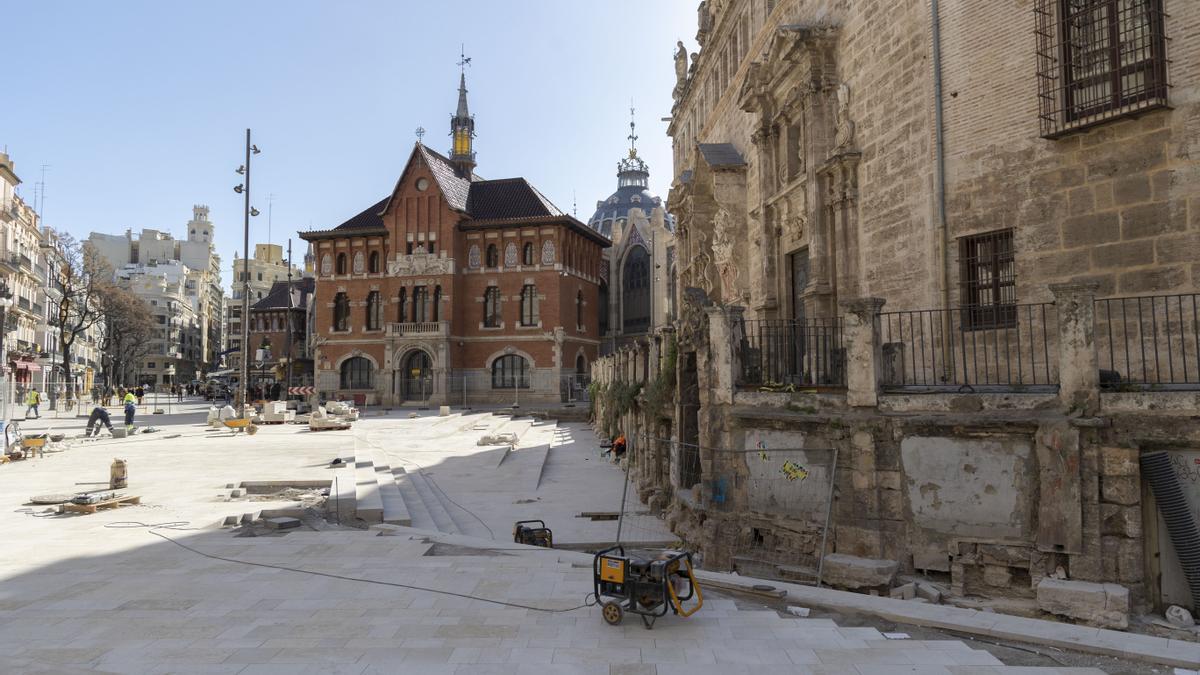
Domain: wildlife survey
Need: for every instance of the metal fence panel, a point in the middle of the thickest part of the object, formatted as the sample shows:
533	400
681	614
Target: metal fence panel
1149	342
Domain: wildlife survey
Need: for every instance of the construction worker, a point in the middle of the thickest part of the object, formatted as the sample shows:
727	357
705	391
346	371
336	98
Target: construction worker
32	400
99	415
130	402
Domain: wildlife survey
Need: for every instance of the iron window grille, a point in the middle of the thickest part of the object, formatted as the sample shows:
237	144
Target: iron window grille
510	372
374	311
341	312
491	307
492	259
1099	60
988	280
529	305
420	304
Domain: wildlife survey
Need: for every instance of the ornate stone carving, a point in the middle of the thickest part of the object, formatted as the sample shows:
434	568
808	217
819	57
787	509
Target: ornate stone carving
844	136
692	333
510	255
722	248
548	252
473	259
360	264
419	264
326	264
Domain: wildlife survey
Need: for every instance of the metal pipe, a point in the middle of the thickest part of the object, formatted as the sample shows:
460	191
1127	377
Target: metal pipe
939	172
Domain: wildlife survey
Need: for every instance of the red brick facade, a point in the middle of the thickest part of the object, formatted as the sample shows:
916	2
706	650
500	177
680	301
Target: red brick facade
423	253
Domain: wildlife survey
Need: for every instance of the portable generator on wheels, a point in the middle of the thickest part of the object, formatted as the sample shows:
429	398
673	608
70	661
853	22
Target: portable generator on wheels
647	585
525	533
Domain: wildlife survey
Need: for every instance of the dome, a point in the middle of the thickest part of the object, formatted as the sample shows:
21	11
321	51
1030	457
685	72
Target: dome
633	177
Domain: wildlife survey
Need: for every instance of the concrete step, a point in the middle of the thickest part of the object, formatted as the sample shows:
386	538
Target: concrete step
421	519
433	503
368	501
395	511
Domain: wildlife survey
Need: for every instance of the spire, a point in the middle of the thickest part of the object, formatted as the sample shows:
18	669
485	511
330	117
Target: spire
462	125
632	171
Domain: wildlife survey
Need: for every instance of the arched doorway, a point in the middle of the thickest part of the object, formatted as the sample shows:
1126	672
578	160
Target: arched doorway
417	376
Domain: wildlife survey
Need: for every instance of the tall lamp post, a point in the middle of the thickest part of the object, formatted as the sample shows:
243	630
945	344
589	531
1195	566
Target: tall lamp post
6	301
244	190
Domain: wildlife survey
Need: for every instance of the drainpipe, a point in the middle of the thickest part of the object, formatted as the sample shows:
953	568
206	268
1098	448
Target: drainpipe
939	170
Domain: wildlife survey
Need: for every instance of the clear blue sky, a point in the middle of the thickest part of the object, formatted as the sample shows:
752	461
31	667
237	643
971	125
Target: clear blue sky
140	108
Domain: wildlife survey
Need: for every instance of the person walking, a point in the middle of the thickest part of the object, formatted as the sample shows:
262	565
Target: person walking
130	401
32	400
141	393
179	393
99	416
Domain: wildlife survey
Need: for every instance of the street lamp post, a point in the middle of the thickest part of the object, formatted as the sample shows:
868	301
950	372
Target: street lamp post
244	190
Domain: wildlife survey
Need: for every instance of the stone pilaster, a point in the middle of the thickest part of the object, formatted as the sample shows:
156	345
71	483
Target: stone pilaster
860	337
1078	368
724	339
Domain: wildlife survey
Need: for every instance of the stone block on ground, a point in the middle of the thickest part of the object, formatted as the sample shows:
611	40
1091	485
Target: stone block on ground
929	592
906	592
848	571
1104	605
282	523
507	438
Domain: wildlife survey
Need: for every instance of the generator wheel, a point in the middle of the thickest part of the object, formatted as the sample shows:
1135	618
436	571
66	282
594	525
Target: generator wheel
612	612
251	429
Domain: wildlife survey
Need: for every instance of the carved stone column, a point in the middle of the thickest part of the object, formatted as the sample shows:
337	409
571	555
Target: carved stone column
860	338
1078	367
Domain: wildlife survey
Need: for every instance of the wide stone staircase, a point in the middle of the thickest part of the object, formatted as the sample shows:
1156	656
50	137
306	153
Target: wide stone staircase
367	490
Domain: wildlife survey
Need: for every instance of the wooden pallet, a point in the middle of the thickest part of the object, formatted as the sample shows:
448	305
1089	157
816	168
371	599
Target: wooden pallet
106	504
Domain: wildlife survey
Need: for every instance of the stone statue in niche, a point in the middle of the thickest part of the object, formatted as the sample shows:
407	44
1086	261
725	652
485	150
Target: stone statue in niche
548	252
844	134
722	248
473	259
359	263
420	249
510	255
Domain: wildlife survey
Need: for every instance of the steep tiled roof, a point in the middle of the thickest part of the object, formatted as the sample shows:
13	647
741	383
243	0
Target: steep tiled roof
454	187
368	218
277	298
508	198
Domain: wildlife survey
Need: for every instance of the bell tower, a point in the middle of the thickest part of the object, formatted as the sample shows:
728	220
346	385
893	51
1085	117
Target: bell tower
462	127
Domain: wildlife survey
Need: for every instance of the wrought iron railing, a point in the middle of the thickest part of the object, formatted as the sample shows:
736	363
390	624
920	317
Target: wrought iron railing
938	349
789	352
1149	342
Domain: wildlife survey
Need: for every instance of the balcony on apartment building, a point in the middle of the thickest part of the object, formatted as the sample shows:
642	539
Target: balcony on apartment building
435	329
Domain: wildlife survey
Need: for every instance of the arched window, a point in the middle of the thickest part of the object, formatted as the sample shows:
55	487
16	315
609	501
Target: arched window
420	304
357	373
341	312
437	303
602	324
529	305
635	287
341	263
510	372
579	310
493	256
527	254
374	311
400	301
491	307
373	262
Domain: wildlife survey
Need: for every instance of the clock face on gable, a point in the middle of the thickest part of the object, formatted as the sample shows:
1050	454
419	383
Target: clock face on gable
422	184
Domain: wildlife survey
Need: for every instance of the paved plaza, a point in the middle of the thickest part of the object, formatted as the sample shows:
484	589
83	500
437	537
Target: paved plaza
98	593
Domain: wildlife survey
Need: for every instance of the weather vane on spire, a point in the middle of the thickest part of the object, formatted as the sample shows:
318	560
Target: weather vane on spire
463	59
632	131
420	132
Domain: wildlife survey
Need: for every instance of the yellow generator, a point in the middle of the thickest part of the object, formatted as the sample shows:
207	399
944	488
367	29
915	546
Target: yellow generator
525	533
647	585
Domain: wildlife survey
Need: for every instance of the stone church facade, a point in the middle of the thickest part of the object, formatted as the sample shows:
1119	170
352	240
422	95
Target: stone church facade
455	289
958	339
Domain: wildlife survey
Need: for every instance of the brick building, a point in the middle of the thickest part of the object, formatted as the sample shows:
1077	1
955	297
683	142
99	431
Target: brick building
454	288
279	325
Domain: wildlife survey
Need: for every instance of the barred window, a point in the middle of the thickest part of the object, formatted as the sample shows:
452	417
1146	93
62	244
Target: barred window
341	312
510	372
420	304
357	373
1098	60
401	305
374	311
493	256
341	263
529	305
988	280
491	307
527	254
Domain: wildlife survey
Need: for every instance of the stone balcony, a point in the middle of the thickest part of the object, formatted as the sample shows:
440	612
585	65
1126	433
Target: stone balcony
434	329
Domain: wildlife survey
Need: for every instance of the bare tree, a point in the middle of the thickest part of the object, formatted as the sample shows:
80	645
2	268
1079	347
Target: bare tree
128	330
83	278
